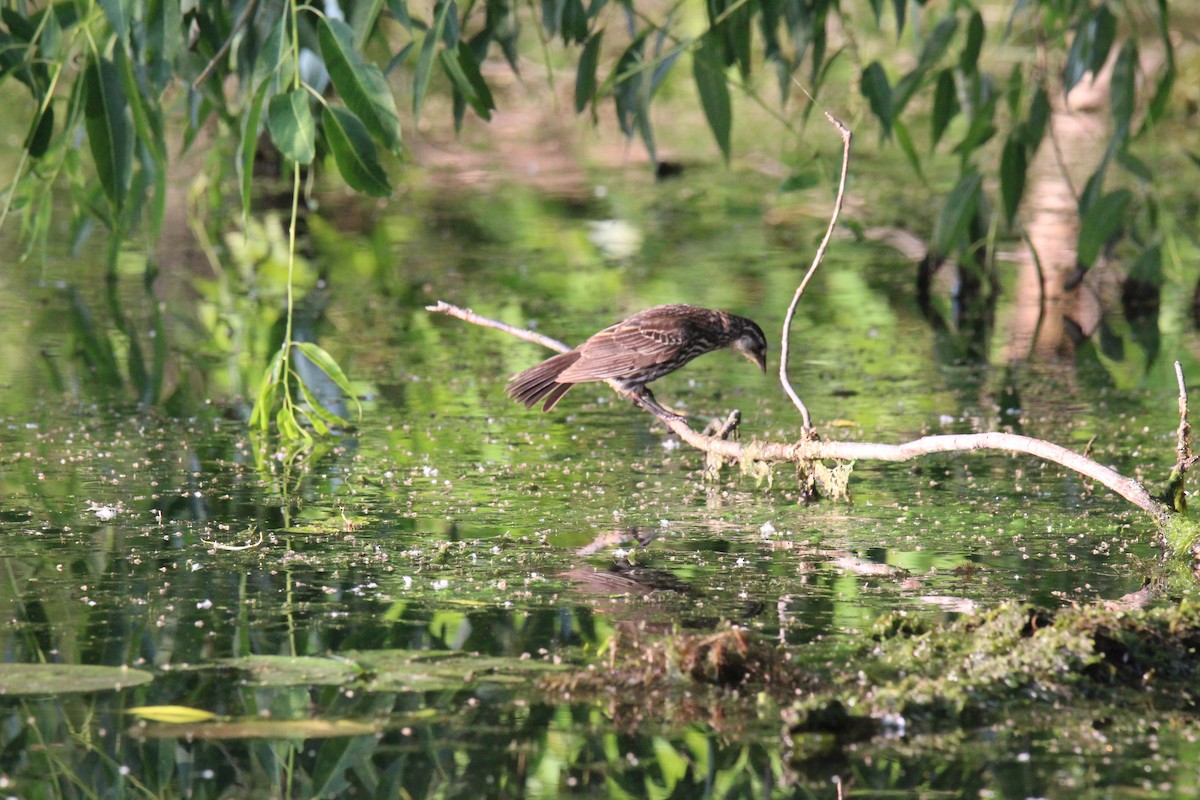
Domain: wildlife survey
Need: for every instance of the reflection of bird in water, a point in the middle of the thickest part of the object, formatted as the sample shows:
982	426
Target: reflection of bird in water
638	350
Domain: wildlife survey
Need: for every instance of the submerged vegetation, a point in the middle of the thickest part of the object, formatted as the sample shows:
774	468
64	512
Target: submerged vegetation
270	529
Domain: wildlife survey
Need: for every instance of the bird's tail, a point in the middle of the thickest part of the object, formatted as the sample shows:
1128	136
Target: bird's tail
540	381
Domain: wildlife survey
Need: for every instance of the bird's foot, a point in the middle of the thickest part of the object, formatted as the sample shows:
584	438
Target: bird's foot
646	400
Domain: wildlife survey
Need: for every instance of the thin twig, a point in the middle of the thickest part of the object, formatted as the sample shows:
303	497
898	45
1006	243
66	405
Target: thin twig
242	19
467	315
847	136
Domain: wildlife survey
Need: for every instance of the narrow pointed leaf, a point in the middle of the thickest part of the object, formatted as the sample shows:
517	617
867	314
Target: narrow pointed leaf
1123	90
585	73
627	81
270	50
900	7
455	63
119	13
1039	117
37	141
325	362
354	152
957	211
945	105
399	9
268	390
424	67
969	57
171	713
906	144
1013	166
714	91
875	87
361	85
251	120
293	130
1100	223
108	128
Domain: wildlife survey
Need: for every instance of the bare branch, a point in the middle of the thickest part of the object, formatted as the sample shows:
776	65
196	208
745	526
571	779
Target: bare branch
809	449
467	315
240	23
847	136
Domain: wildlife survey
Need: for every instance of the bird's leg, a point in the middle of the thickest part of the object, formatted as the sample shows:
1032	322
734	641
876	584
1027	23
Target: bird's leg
645	398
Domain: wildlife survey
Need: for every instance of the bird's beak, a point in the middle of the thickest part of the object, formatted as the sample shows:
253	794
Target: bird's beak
758	360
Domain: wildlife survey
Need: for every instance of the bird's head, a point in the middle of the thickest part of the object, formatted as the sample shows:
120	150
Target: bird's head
750	342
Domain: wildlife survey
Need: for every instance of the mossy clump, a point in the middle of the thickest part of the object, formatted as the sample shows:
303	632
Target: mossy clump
1014	660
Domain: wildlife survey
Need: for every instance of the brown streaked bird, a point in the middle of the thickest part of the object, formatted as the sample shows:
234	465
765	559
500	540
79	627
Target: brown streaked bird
638	350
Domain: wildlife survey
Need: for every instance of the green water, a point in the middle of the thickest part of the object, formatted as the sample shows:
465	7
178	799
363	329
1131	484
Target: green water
165	539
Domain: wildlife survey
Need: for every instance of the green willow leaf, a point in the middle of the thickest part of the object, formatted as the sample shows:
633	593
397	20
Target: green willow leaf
119	14
957	211
163	20
504	27
293	130
470	66
906	144
268	391
289	428
37	141
1162	91
875	87
714	91
248	147
1094	186
945	105
1094	37
969	58
108	128
585	73
460	66
1039	118
148	126
398	59
312	411
1100	223
627	81
354	152
270	50
1123	91
361	85
399	9
424	67
574	22
1013	166
1103	38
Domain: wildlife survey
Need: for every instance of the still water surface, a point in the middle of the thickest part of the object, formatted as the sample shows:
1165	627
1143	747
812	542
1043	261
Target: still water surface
167	540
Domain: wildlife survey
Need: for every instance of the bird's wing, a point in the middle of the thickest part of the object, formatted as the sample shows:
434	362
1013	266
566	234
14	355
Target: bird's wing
626	347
